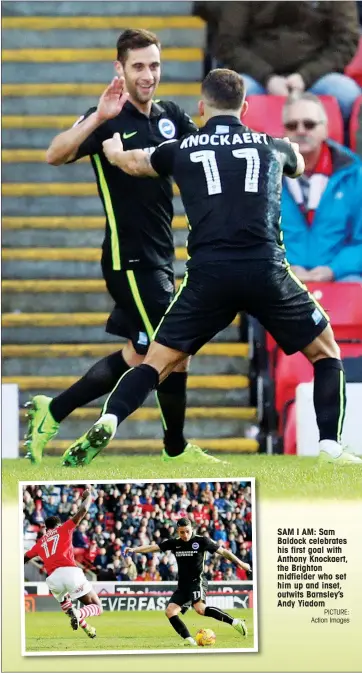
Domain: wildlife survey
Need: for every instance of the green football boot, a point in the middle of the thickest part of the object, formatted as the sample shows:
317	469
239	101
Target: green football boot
240	626
87	447
191	454
41	427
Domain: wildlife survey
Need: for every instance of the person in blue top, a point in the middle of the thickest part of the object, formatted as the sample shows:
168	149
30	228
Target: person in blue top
321	210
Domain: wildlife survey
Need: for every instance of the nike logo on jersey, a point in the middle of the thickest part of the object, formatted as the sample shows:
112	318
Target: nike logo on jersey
129	135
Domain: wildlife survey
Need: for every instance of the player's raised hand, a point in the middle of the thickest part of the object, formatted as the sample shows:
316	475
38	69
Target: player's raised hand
112	146
86	494
126	551
295	146
112	99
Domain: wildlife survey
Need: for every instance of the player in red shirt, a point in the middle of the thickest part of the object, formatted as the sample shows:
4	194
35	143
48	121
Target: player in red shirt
65	579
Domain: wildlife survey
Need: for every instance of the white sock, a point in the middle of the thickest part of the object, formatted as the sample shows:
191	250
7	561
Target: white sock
112	420
190	639
235	621
331	447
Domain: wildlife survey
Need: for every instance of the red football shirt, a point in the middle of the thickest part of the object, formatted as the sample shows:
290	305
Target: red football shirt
55	548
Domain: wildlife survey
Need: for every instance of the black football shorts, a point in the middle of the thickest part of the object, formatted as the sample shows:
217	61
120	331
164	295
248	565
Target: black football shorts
212	295
190	593
141	298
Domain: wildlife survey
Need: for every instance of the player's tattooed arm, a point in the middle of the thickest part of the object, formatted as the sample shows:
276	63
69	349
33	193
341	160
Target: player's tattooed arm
226	553
145	549
134	162
83	509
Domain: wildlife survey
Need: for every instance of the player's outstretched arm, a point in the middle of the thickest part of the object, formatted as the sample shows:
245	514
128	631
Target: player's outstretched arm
145	549
134	162
83	509
226	553
64	146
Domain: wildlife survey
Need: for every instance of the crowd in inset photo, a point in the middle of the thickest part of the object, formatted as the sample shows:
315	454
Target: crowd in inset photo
130	515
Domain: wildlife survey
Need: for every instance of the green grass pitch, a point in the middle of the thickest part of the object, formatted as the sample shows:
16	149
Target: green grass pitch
51	632
277	477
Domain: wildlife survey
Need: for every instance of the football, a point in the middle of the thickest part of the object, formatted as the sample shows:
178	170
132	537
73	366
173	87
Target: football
205	637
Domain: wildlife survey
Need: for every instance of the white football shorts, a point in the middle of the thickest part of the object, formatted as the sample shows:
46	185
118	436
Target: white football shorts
69	580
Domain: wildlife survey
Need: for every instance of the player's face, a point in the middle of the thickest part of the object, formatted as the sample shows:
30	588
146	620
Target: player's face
142	71
185	533
304	124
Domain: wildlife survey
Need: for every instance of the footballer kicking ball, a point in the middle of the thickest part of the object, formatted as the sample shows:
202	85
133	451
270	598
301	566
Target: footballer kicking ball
205	637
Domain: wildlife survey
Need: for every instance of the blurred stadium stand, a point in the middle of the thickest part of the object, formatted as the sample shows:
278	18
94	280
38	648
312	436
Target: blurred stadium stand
133	514
57	59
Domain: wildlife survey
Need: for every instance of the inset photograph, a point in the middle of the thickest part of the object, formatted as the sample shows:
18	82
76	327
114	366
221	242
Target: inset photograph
139	567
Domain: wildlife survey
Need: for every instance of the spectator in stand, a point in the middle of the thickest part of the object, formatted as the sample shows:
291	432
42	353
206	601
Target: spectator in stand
101	560
232	544
172	573
101	505
209	571
80	539
50	506
98	535
128	571
141	563
220	535
321	210
152	574
28	504
90	555
64	507
164	569
114	571
229	574
290	47
38	516
112	545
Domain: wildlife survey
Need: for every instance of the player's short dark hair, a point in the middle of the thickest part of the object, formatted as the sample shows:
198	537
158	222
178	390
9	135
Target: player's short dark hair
184	521
223	89
134	39
52	522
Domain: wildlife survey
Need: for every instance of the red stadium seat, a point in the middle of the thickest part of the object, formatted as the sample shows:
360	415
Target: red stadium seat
290	431
343	303
290	370
354	68
354	123
265	114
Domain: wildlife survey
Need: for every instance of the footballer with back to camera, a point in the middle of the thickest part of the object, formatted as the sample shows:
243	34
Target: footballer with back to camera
66	581
230	181
138	249
189	550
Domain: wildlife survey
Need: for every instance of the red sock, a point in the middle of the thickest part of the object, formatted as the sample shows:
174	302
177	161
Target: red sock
66	605
91	610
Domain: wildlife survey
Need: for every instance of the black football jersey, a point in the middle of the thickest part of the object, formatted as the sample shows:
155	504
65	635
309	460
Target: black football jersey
230	180
138	211
190	555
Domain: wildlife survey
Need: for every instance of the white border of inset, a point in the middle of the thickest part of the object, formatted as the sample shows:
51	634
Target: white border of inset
199	650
